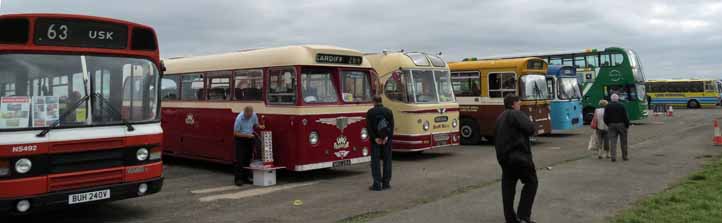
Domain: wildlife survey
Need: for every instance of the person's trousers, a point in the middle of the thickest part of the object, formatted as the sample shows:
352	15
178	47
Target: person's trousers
602	141
509	177
244	151
379	153
618	130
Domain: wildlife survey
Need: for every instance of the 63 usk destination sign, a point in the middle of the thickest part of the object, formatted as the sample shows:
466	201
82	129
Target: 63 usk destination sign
79	33
338	59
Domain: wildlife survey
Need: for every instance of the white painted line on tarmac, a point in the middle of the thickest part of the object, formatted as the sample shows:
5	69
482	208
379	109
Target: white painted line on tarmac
254	192
215	189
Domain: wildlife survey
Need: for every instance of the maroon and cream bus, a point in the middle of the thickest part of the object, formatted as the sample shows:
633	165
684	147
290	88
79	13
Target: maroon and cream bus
312	98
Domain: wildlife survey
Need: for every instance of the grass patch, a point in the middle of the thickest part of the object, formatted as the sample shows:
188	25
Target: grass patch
697	199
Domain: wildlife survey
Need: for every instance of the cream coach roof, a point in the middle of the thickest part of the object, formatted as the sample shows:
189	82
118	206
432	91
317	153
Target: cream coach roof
270	57
386	63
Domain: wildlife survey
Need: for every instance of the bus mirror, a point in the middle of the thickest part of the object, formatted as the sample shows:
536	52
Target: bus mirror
162	66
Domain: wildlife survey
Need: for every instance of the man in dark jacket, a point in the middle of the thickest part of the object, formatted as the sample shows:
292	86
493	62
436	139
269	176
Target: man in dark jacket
380	126
615	115
513	151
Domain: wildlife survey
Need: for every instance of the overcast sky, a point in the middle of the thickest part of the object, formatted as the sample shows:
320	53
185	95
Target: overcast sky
673	39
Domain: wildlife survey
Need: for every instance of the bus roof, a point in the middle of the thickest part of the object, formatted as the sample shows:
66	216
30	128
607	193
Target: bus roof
554	53
259	58
491	64
385	63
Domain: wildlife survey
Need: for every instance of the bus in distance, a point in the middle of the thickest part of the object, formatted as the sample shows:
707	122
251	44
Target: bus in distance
417	89
684	93
566	105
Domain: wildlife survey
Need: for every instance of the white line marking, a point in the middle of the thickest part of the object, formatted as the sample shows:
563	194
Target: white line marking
253	192
216	189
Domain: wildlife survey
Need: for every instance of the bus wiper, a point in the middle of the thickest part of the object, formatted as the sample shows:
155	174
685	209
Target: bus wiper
113	110
63	116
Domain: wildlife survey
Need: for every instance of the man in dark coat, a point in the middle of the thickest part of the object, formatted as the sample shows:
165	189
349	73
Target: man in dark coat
513	151
615	115
380	126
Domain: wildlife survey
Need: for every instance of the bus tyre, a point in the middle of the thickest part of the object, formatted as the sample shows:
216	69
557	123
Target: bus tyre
588	115
469	132
693	104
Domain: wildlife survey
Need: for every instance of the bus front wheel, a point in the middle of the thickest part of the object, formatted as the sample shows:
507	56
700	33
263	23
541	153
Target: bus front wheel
693	104
469	132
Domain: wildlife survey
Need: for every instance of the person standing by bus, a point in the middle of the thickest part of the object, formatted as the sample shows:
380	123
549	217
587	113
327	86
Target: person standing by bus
513	151
380	126
615	116
243	129
601	130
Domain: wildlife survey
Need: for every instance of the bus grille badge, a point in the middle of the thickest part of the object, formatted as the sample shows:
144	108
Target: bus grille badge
441	110
341	154
341	143
341	122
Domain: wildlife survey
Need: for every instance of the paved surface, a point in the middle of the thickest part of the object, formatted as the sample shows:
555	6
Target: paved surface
457	184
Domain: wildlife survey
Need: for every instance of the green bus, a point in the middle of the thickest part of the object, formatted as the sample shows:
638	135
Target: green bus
603	72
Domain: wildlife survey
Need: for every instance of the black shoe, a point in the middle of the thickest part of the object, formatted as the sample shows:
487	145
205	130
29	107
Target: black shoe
386	186
526	221
625	158
375	187
614	160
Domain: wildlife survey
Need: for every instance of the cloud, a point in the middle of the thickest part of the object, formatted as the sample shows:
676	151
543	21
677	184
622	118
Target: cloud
672	37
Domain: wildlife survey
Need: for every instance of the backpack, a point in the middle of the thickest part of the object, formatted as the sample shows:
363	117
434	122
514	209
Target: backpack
383	127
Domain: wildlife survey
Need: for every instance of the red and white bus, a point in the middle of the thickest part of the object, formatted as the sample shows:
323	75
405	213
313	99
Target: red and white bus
312	98
73	128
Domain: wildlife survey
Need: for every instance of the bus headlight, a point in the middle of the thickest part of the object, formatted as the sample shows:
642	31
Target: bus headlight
4	168
365	151
426	126
454	123
141	154
23	165
313	138
364	134
156	153
22	206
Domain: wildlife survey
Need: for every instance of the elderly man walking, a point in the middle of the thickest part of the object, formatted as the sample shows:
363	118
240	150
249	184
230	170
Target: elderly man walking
615	116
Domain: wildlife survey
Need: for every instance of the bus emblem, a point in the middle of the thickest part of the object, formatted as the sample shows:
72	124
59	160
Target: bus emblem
341	154
189	119
615	75
441	110
341	122
341	143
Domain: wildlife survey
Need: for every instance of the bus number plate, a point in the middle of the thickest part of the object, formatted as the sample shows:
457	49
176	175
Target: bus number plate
341	163
441	119
88	197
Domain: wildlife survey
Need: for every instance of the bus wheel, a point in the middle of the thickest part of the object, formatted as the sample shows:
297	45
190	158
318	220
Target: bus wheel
693	104
588	115
469	132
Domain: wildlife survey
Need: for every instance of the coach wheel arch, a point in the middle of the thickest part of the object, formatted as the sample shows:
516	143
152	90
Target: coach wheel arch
469	131
693	104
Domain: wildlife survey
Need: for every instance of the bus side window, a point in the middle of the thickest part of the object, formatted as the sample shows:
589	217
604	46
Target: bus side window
605	60
466	84
282	86
555	61
248	85
617	59
592	61
169	88
580	62
192	86
501	84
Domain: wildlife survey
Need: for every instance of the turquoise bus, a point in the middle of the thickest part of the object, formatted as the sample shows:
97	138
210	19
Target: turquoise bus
603	72
566	106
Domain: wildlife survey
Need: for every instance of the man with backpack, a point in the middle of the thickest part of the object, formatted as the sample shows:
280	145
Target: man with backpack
380	126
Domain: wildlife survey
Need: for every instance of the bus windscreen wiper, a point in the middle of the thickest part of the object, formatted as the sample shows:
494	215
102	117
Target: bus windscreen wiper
65	114
113	110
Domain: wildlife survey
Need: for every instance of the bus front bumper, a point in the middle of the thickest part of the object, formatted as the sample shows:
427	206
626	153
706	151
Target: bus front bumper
62	199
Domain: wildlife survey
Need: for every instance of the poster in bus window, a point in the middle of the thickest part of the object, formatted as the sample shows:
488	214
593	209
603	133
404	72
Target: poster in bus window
14	112
46	110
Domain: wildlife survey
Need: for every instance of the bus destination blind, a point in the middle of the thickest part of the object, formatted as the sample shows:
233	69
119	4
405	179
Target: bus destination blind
338	59
79	33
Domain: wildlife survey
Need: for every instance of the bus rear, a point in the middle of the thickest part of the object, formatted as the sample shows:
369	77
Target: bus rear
74	129
312	100
417	88
566	105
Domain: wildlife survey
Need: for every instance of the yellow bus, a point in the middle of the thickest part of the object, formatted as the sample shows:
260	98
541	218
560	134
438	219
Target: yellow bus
480	87
417	88
684	93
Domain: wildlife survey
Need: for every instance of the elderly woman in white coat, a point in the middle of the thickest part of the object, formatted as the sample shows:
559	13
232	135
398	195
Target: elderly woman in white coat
602	131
